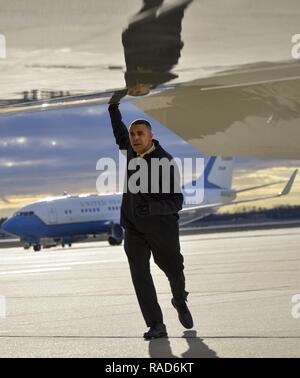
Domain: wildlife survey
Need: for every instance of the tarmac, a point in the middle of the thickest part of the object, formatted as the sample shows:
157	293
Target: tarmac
80	302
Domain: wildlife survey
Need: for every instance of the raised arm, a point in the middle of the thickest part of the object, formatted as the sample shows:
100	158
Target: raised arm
119	129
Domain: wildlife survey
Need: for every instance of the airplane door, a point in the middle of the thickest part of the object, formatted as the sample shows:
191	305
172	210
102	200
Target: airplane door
52	216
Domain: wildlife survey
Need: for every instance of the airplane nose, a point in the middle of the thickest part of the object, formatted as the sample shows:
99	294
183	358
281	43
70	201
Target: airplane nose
4	226
8	226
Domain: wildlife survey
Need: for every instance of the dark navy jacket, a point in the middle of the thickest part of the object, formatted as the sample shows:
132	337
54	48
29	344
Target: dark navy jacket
163	207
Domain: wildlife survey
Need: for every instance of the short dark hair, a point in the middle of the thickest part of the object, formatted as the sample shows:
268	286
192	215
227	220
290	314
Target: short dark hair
141	122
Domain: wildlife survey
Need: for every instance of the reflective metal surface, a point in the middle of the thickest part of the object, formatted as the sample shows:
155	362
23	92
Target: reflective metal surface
233	90
251	111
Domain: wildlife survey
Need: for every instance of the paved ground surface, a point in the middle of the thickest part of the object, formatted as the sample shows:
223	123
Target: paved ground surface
79	302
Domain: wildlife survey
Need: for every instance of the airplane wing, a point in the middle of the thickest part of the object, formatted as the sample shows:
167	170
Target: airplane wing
236	191
197	212
222	99
57	103
252	111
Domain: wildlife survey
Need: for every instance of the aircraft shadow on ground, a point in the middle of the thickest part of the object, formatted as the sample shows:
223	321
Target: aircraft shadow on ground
161	348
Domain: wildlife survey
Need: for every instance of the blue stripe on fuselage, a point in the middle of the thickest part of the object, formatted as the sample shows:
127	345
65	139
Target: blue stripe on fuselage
33	228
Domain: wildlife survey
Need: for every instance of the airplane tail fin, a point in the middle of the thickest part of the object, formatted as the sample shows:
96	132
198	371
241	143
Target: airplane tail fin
286	190
218	172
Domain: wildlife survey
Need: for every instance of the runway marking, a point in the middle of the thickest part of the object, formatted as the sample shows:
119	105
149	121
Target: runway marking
74	263
202	337
24	271
50	265
57	266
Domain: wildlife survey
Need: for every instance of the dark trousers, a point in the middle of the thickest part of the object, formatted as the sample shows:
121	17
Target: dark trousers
165	249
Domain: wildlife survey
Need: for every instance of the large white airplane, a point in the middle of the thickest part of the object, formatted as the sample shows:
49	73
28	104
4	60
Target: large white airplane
67	219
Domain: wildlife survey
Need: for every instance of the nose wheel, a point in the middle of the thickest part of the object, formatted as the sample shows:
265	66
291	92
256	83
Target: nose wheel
37	248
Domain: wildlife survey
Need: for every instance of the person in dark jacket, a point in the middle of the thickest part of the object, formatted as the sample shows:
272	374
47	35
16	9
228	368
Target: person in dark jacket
150	221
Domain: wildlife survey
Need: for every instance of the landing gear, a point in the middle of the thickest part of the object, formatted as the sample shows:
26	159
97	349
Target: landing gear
115	236
69	244
37	247
113	241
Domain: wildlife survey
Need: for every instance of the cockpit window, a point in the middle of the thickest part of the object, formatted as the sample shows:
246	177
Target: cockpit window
24	213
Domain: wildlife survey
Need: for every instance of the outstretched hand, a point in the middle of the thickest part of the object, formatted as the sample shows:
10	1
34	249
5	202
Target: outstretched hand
117	96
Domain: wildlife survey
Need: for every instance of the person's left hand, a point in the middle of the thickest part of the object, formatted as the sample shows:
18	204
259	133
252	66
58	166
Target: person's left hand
117	96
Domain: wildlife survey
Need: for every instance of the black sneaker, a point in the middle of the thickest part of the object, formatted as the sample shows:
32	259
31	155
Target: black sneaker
184	315
156	331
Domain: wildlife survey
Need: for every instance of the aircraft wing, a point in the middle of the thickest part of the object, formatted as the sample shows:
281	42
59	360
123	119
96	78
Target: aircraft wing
197	212
236	191
252	110
57	103
231	91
